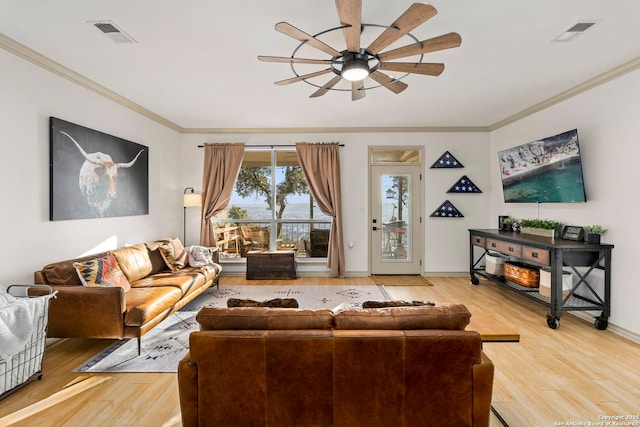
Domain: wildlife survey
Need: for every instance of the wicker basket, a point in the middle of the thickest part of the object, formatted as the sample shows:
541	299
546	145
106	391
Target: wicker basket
522	274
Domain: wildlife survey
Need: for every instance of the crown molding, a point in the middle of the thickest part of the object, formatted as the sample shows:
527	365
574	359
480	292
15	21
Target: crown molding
31	55
598	80
391	129
48	64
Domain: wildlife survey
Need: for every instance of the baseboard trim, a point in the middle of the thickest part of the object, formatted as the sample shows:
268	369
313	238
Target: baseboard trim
624	333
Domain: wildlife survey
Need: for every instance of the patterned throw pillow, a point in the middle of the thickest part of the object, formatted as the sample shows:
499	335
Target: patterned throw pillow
174	254
103	271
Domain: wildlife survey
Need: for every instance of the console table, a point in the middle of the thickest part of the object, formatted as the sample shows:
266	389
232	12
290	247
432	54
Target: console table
553	253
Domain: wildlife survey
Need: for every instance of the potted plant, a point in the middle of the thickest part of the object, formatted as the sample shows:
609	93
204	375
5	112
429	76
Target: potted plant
508	223
592	233
541	227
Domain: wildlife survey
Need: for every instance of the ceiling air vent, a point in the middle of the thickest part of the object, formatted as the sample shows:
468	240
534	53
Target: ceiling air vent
111	30
574	31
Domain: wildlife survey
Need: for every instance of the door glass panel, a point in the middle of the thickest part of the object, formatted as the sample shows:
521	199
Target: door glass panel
379	156
396	217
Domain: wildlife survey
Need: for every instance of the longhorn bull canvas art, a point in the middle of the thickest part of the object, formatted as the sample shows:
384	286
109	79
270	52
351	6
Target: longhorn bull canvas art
95	175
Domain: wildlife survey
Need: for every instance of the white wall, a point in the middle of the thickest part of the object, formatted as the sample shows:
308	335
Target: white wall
29	96
609	130
605	117
446	240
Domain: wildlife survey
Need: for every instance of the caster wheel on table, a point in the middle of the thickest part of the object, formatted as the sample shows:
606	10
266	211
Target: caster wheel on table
601	323
474	280
553	322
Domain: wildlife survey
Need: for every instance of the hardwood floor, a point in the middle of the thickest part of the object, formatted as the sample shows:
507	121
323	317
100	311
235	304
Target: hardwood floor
573	374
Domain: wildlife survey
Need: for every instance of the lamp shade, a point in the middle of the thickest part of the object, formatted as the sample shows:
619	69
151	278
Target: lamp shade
192	199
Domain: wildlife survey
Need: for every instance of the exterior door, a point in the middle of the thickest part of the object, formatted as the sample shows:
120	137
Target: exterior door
396	222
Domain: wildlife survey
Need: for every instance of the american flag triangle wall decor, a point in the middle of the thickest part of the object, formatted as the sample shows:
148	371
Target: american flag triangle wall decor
447	210
464	185
446	161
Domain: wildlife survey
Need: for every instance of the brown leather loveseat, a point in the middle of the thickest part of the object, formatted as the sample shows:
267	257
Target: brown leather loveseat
359	367
153	291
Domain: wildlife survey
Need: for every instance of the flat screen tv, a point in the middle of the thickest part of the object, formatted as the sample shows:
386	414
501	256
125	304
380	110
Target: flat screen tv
544	171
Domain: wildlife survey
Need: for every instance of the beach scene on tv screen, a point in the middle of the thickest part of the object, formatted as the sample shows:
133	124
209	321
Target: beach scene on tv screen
544	171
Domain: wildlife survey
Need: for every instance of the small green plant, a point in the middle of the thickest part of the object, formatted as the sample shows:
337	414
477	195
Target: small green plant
594	229
541	223
508	220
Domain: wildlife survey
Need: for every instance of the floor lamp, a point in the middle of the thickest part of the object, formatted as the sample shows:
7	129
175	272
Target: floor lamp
190	199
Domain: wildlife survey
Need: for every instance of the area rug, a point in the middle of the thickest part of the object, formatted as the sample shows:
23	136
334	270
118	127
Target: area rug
167	343
401	280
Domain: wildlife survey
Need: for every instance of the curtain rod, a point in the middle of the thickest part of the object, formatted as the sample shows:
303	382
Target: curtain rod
271	145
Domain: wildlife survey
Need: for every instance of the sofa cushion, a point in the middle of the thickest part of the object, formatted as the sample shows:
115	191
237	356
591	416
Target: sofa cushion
63	273
273	303
144	304
134	261
210	271
452	317
186	280
102	271
174	254
261	318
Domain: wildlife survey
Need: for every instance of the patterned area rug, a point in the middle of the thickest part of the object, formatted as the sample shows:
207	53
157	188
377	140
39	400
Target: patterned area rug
167	343
401	281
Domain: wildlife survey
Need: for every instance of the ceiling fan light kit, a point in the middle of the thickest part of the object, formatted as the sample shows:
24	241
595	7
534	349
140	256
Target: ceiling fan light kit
355	66
356	63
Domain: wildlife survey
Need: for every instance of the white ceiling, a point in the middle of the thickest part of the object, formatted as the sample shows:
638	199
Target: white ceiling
195	61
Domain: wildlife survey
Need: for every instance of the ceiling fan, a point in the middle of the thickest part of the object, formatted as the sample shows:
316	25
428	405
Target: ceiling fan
356	63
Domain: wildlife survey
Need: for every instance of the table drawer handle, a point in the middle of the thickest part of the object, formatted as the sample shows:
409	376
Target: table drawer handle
511	249
534	254
493	245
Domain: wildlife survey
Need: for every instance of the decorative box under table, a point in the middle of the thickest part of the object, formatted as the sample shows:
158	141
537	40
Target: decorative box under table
267	265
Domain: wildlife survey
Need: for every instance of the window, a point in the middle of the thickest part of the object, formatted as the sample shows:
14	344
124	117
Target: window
271	208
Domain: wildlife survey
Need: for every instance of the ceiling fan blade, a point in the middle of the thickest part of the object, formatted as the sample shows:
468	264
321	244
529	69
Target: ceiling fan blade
350	12
298	34
409	67
445	41
303	77
415	15
327	86
357	90
389	82
294	60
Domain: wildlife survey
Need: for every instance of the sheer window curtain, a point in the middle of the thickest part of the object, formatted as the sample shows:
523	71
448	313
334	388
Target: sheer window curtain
321	167
221	166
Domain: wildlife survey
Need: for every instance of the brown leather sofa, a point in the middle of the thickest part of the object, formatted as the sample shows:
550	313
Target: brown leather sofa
360	367
111	312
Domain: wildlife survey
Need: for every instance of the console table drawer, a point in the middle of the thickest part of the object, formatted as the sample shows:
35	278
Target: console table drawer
478	241
508	248
541	256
